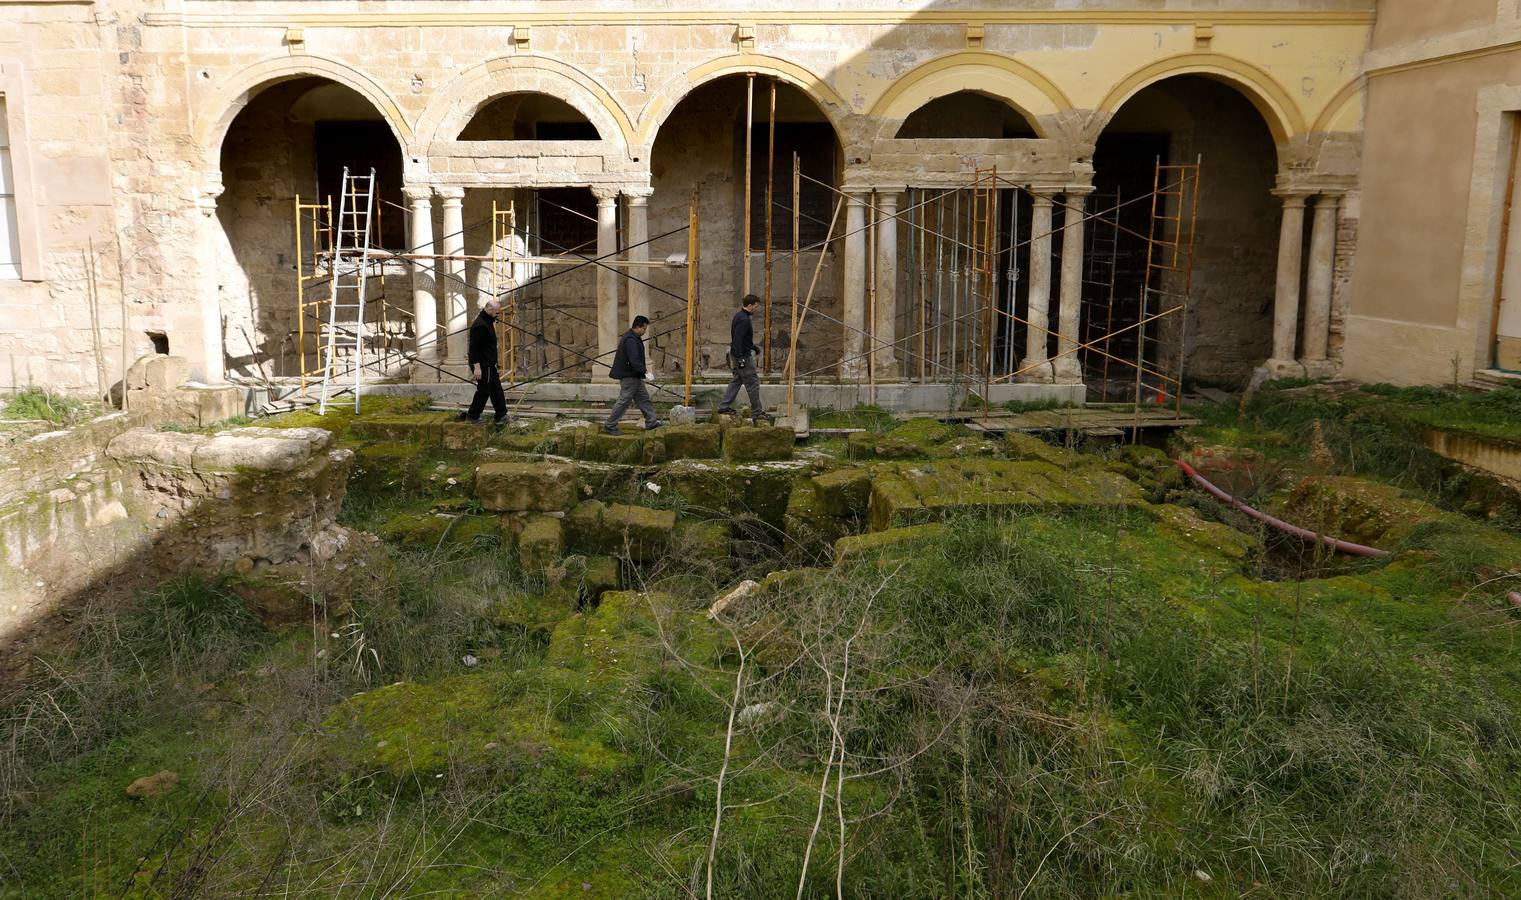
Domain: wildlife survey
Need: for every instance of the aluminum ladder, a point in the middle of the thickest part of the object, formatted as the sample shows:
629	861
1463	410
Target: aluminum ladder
350	268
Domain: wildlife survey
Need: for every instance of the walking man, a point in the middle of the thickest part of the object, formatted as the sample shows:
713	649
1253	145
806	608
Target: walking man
742	354
629	368
483	371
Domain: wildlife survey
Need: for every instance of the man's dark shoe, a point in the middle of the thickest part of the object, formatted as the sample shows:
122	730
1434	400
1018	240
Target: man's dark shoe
465	418
651	426
764	417
609	429
500	420
725	411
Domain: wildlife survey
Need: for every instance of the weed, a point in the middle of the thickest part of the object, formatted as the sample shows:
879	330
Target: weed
38	404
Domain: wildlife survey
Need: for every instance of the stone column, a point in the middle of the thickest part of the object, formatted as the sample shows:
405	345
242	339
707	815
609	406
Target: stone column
1039	303
1286	296
213	367
424	302
853	288
884	327
607	280
1317	311
638	250
1069	369
452	271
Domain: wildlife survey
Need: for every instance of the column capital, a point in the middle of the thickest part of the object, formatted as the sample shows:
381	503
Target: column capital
1294	197
637	194
855	198
1077	190
1329	199
451	196
605	194
419	194
887	199
1042	197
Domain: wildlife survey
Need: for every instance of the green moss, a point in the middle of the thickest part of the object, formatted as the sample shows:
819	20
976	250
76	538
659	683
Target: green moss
692	441
923	432
844	492
811	528
541	543
632	449
862	544
632	532
387	466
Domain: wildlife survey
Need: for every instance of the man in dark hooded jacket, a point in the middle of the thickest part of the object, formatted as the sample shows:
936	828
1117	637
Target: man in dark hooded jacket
629	368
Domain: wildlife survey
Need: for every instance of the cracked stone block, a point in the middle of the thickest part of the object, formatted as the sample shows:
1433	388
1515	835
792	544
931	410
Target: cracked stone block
525	487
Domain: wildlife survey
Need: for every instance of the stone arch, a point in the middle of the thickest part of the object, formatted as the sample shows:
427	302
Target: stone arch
215	113
673	91
1345	111
452	108
1277	107
1035	96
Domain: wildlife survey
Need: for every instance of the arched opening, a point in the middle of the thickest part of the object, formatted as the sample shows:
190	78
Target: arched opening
528	117
1228	330
701	146
295	138
966	114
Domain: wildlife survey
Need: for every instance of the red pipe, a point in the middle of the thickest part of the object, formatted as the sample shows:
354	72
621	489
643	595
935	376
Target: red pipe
1281	525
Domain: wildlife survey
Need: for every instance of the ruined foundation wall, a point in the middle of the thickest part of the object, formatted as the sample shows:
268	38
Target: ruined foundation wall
104	499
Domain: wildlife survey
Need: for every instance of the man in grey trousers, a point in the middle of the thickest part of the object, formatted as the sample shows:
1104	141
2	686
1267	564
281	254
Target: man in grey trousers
742	354
629	368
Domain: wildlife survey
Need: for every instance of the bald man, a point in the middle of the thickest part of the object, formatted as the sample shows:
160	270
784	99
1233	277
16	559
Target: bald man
488	382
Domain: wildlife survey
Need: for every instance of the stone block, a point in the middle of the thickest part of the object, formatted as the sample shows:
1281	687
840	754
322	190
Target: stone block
157	374
844	492
464	435
526	487
426	429
214	404
234	452
587	577
894	502
1021	446
692	441
706	540
810	529
633	532
632	449
717	489
541	543
865	445
859	544
164	448
758	444
387	465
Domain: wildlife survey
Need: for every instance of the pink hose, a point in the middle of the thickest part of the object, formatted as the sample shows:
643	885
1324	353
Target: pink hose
1281	525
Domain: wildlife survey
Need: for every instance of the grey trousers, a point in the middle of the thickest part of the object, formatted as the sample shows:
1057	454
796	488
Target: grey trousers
744	374
631	390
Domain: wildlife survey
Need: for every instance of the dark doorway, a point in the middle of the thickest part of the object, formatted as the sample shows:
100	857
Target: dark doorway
361	146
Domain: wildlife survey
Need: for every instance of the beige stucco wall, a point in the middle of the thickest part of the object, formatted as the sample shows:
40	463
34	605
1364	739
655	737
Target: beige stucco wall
1432	186
141	100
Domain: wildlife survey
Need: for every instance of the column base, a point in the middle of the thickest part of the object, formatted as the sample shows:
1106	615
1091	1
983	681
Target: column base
1043	373
852	370
1318	368
1068	371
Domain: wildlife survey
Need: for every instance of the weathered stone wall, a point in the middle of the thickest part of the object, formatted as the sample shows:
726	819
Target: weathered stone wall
99	501
127	107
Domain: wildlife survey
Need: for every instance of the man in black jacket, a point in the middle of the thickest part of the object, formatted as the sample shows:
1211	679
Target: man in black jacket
628	367
483	371
742	354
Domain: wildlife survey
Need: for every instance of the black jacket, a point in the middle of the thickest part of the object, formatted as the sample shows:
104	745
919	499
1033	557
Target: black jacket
628	360
741	336
482	341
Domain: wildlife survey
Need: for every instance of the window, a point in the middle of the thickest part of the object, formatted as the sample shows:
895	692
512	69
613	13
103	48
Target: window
568	221
814	144
10	232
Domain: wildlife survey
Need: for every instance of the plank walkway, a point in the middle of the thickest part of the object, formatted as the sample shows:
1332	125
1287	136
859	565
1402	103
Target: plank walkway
1096	422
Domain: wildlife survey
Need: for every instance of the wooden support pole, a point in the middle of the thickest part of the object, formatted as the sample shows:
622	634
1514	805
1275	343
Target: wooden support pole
808	301
792	327
691	292
770	180
749	146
